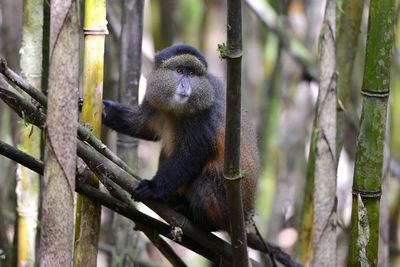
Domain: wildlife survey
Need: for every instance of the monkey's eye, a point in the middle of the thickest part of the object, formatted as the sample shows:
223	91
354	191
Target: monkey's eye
191	73
179	70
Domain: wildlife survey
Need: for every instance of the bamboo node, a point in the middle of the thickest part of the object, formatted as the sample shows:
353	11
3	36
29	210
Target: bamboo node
88	31
233	54
234	177
380	94
367	194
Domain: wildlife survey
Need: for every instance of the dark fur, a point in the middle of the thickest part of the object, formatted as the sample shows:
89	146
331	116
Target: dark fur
190	175
177	50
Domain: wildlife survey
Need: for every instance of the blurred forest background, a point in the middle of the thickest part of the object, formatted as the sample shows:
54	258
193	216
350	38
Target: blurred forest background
279	91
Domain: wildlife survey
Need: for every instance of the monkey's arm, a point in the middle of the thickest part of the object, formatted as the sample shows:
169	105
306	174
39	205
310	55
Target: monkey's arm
183	166
134	121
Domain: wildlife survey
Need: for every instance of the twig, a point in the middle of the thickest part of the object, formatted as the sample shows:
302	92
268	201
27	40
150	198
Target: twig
17	80
21	157
86	136
268	251
23	108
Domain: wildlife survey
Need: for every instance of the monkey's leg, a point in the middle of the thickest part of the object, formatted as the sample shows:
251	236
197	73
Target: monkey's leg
208	203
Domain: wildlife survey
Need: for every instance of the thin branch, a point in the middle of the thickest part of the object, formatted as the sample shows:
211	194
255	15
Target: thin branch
21	157
86	136
17	80
22	107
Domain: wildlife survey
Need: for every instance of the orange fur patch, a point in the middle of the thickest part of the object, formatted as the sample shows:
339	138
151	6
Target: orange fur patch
214	212
217	162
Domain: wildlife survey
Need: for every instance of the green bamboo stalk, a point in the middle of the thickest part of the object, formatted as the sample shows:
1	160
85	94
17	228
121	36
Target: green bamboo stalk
28	181
87	224
363	249
346	47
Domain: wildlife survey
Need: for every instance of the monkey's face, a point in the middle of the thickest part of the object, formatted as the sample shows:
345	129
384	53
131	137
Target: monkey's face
180	86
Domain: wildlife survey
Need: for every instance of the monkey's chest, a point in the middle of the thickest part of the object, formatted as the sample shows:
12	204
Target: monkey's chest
168	142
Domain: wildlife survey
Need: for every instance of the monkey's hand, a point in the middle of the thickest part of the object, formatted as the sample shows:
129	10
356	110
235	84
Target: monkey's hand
107	104
146	189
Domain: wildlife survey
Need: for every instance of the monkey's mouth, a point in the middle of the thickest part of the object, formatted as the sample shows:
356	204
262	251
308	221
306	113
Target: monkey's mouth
181	98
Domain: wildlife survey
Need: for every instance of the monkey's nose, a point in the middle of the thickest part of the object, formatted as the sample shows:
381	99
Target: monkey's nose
184	89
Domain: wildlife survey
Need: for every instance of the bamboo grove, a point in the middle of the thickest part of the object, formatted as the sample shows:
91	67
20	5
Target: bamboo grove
319	79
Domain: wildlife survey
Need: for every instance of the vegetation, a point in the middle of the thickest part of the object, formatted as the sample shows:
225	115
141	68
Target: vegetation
316	119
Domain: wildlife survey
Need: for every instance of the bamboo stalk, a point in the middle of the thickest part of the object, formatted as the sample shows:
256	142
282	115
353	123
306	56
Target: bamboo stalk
346	47
28	181
56	239
87	225
324	193
122	237
232	135
348	33
363	249
304	247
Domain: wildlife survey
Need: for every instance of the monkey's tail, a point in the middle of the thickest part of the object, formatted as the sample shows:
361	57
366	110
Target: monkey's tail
275	253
